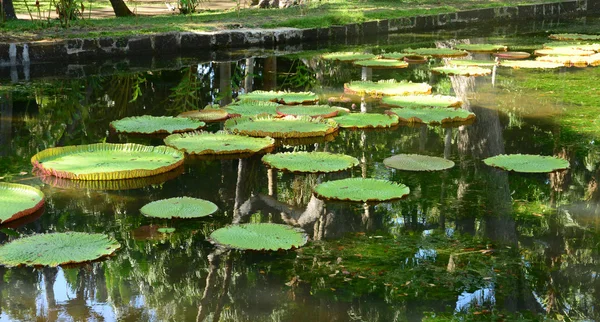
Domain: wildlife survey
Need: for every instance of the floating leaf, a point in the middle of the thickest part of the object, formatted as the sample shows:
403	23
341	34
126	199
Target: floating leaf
416	162
366	120
516	64
466	62
361	190
347	56
204	143
207	114
260	236
397	56
166	230
107	161
147	124
381	63
568	61
563	52
433	115
574	37
417	101
252	108
513	55
387	87
310	162
181	207
286	127
324	111
462	71
57	249
529	163
573	45
481	48
437	52
18	200
287	98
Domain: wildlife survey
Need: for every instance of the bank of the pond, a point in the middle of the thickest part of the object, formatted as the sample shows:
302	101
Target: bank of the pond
25	43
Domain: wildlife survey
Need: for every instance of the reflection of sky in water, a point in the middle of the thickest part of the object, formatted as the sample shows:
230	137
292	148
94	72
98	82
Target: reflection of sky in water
479	297
425	254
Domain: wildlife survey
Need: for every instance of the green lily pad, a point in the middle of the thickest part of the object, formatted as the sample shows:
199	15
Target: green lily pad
260	237
397	56
530	64
147	124
166	230
512	55
434	115
347	56
252	108
286	127
107	161
18	200
466	62
568	61
417	101
360	190
528	163
481	48
310	162
381	63
437	52
57	249
181	207
416	162
462	71
386	87
206	143
366	120
563	52
574	37
207	114
287	98
573	45
324	111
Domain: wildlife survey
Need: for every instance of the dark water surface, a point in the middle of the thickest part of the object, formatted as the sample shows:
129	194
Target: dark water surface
470	243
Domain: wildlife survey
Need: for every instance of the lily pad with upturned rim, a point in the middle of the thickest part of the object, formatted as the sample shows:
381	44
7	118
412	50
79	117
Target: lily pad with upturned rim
207	114
180	207
361	190
530	64
324	111
419	101
381	63
310	162
437	52
397	56
347	56
205	143
18	200
281	97
147	124
282	128
574	36
563	52
462	70
55	249
417	162
512	55
107	161
367	120
573	45
252	108
481	48
434	115
568	61
529	163
259	237
466	62
387	87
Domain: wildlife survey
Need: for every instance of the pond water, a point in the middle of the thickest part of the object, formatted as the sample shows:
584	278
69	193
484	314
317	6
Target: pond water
469	243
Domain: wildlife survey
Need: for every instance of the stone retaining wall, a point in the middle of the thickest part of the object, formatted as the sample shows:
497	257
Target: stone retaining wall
13	54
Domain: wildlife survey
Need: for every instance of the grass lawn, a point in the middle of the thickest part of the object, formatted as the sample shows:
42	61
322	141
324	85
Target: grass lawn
321	13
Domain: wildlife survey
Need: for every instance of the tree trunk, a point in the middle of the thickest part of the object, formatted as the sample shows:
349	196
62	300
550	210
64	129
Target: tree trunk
120	8
8	9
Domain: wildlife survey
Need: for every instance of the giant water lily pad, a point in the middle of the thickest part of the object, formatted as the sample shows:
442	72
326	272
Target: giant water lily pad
512	55
530	64
57	249
324	111
310	162
562	51
381	63
181	207
367	120
579	61
437	52
347	56
417	162
574	37
206	143
286	127
397	56
416	101
529	163
207	114
259	236
107	161
433	115
147	124
387	87
462	70
252	108
481	48
466	62
18	200
287	98
361	190
573	45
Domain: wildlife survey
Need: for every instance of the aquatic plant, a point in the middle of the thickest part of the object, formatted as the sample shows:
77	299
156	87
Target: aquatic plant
573	45
207	114
568	61
204	143
574	36
516	64
512	55
56	249
416	101
309	162
252	108
107	161
481	48
563	51
286	127
527	163
147	124
417	162
462	71
324	111
386	87
394	55
18	200
465	62
437	52
281	97
381	63
347	56
367	120
361	190
433	115
180	207
259	237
